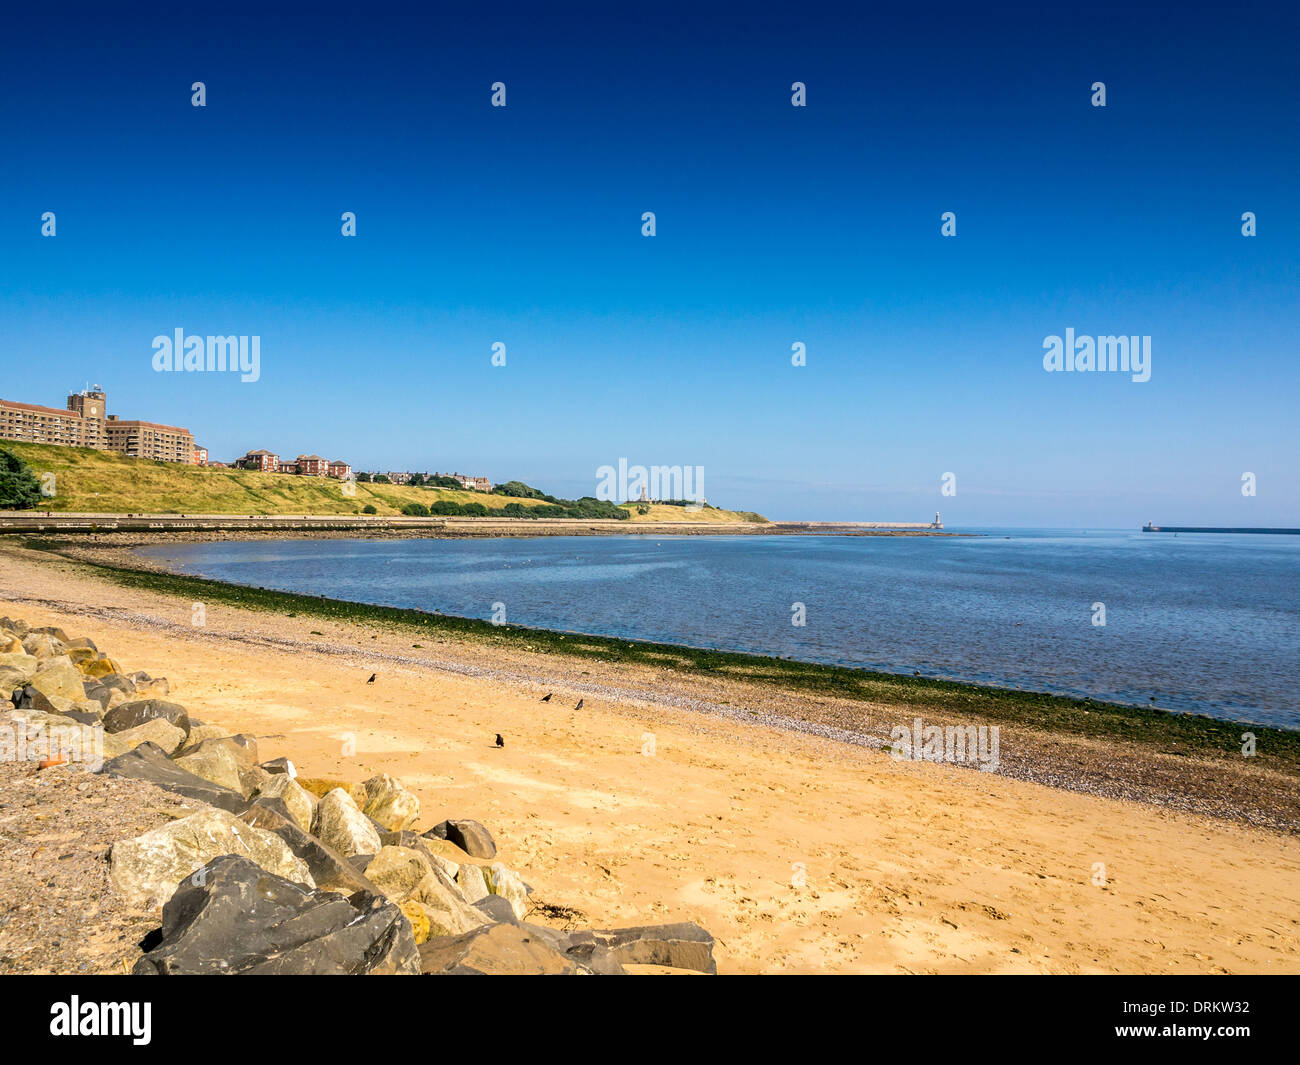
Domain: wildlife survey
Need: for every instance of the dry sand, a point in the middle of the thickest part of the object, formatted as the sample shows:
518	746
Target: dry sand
916	868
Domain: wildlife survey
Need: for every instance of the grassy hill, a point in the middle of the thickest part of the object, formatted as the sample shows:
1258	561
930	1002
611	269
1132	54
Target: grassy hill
93	481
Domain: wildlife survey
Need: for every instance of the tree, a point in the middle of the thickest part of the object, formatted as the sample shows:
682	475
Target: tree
522	491
19	488
363	478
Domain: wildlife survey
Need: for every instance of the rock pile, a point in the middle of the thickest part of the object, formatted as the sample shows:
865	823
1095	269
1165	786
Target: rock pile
276	873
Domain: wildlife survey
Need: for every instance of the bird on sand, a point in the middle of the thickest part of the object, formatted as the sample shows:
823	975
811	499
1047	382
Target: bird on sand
500	742
547	697
372	678
579	706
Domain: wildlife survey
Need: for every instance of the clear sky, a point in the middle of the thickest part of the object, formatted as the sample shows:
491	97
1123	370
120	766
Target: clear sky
775	225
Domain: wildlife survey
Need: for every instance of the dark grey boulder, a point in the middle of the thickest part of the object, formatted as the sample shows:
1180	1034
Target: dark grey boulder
99	692
329	869
35	699
278	765
497	908
149	762
52	630
101	688
141	677
138	711
679	946
469	836
235	918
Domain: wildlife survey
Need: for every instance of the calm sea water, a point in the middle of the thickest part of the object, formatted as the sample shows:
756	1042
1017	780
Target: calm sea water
1204	623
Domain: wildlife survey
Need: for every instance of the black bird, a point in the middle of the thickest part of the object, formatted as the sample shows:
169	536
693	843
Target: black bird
372	678
547	697
579	706
500	741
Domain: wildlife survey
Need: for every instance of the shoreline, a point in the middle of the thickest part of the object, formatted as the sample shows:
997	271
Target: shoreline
910	866
199	528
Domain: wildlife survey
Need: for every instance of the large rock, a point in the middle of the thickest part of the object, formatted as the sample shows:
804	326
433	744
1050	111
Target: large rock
149	762
680	946
78	656
210	761
239	919
447	910
322	786
389	804
42	645
58	676
469	836
199	733
397	871
497	950
426	845
52	630
330	869
146	870
110	691
18	669
507	883
496	909
166	736
297	800
242	745
253	778
32	699
138	711
340	823
472	883
99	666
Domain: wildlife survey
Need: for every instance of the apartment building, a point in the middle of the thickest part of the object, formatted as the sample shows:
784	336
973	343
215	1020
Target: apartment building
86	423
302	466
261	459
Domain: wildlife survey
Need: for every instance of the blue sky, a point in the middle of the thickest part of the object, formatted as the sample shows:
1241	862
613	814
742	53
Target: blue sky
775	224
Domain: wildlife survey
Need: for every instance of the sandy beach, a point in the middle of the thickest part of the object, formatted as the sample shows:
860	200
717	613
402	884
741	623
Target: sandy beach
799	852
